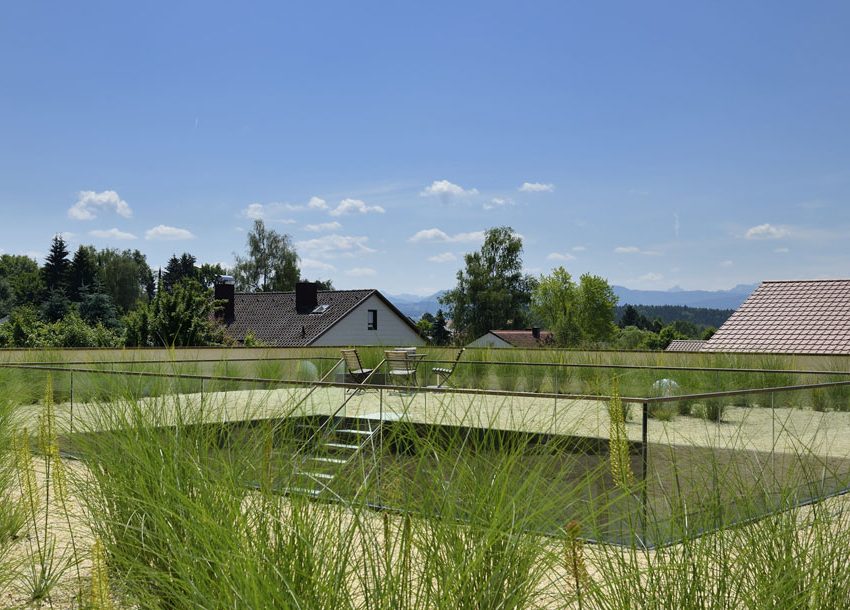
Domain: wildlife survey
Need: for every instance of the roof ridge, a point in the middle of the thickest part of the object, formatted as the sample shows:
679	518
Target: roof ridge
835	279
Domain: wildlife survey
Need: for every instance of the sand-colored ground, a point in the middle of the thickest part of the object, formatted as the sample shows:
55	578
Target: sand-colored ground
782	429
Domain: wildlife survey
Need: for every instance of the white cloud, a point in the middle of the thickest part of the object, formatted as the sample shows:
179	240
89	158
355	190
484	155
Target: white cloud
558	256
445	257
317	203
634	250
361	272
498	202
446	190
335	246
355	205
272	212
726	263
626	250
651	277
166	233
313	264
112	234
781	250
438	235
323	226
536	187
767	231
89	202
578	248
67	235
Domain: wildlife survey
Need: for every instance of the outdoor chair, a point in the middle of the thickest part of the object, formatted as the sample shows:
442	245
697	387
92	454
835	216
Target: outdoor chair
401	367
353	366
443	373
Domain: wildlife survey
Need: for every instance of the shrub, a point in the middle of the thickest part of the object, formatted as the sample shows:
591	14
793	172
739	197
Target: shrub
713	409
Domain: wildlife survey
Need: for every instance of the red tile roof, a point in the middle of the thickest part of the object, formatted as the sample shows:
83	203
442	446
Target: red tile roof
525	338
799	317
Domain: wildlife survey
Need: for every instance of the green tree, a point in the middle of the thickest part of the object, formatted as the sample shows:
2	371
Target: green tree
96	307
83	271
208	274
271	262
577	313
57	266
492	292
182	317
440	335
125	277
426	325
24	279
597	303
57	305
178	269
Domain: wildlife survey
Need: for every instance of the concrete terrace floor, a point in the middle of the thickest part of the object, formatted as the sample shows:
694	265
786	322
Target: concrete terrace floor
784	429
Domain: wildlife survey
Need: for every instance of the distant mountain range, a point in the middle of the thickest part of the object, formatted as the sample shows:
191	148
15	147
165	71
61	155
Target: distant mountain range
414	305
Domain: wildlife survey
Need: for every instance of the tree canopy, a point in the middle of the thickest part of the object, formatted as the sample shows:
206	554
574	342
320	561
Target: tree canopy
578	314
492	292
270	263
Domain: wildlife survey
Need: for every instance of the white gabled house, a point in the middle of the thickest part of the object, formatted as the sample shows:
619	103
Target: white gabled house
309	316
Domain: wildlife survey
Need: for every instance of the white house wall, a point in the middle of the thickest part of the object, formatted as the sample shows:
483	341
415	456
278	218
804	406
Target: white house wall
353	329
489	340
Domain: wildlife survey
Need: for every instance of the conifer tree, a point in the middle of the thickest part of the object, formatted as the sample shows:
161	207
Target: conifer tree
57	266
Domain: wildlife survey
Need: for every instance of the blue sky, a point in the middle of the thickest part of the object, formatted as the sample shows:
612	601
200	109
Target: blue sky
656	144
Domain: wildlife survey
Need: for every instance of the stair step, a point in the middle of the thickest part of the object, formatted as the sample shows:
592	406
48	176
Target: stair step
329	460
316	475
341	446
304	491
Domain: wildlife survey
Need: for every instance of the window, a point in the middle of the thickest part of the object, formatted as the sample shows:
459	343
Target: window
320	309
373	320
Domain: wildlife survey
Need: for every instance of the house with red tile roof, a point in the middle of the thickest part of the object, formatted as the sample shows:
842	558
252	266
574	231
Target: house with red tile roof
525	338
789	317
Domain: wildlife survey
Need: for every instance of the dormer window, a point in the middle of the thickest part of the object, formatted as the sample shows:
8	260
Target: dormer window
372	319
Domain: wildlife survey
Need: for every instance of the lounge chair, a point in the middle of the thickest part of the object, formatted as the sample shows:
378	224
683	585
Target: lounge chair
443	373
401	367
353	366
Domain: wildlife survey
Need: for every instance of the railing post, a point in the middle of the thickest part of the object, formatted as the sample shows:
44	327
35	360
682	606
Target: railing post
644	467
71	426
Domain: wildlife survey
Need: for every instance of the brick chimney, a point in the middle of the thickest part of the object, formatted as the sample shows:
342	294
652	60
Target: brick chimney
306	297
225	290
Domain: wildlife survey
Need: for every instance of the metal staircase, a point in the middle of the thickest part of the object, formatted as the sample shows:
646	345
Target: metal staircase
345	446
335	448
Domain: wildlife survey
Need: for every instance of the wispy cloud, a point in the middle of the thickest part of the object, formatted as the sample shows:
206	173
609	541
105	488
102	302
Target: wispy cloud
335	246
767	231
90	202
498	202
578	248
560	256
349	206
651	277
536	187
438	235
112	234
445	257
361	272
166	233
323	226
781	250
317	203
727	263
635	250
311	264
446	190
271	212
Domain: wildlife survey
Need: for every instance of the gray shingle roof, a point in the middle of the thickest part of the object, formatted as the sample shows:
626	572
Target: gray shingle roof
685	345
800	317
525	337
272	318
